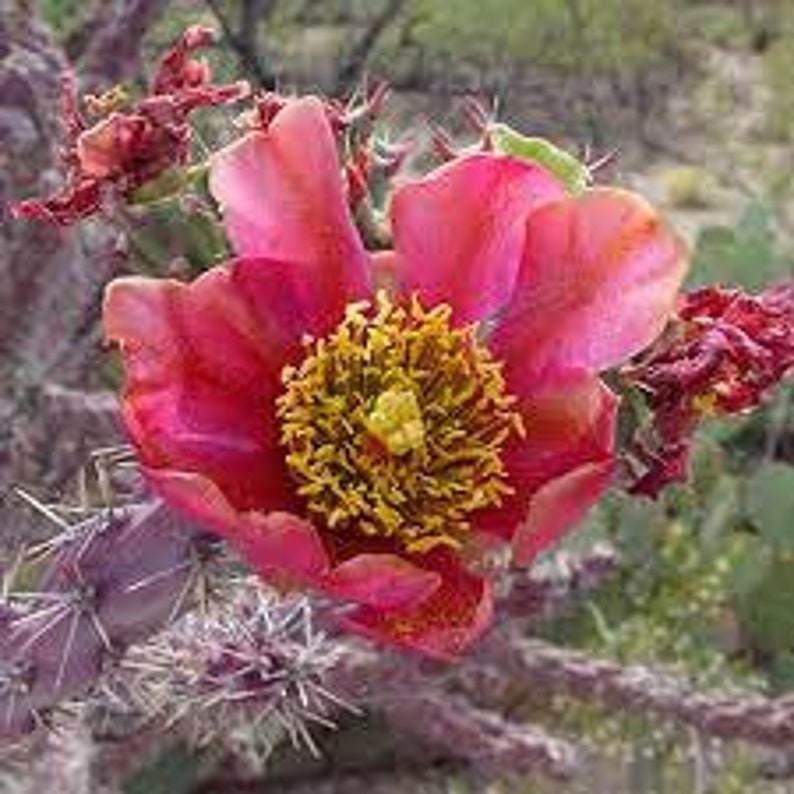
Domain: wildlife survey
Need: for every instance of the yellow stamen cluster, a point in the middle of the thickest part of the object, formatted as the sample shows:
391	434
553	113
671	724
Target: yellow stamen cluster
394	425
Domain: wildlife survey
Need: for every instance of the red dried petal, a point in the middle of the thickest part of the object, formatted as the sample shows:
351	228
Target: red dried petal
125	150
722	355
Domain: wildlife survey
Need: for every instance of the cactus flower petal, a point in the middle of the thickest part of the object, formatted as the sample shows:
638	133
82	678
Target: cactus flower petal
381	581
203	363
282	198
570	428
598	280
443	624
459	232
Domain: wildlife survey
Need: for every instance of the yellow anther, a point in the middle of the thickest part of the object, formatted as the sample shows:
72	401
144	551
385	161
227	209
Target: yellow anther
396	421
108	102
705	404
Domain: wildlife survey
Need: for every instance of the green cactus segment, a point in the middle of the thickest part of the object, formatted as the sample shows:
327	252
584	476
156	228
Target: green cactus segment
573	173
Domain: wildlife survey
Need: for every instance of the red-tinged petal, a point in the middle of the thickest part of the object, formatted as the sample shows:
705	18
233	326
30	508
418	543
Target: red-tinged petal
199	428
282	543
569	423
558	506
442	625
383	581
278	545
282	198
459	232
77	200
202	364
599	277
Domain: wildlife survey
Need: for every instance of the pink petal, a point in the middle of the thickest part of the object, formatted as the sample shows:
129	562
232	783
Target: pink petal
278	545
598	280
442	625
459	232
570	423
202	364
196	427
383	581
282	198
558	506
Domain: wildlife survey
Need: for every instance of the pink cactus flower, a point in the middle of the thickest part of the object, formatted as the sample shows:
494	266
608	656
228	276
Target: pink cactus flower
377	444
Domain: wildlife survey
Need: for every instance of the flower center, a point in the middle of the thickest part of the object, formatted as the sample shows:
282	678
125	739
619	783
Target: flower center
394	425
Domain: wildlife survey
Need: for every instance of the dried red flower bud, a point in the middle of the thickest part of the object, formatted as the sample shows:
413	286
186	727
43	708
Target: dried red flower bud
177	71
266	108
358	171
722	354
125	149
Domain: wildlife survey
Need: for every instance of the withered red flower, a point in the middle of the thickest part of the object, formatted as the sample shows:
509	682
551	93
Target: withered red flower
722	354
374	444
123	150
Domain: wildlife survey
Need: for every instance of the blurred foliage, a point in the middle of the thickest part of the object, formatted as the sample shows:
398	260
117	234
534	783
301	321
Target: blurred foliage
747	253
442	43
778	69
688	187
65	16
609	36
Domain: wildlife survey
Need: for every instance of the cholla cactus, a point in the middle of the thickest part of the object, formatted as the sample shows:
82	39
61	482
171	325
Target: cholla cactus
250	670
112	580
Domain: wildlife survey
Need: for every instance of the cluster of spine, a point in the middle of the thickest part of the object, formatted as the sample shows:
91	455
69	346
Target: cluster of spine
107	583
248	671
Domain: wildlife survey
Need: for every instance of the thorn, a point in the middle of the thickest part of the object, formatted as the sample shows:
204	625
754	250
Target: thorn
148	581
101	631
10	574
67	650
476	114
184	593
603	161
41	508
442	143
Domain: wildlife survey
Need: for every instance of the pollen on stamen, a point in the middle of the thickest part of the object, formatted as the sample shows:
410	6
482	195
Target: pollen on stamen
394	425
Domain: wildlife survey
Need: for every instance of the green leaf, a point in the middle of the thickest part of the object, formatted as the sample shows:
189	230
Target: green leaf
638	523
571	172
720	513
753	561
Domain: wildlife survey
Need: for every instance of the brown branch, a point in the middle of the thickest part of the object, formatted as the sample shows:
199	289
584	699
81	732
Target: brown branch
243	38
479	737
737	716
112	52
351	70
